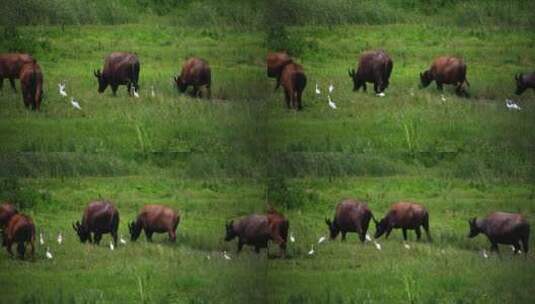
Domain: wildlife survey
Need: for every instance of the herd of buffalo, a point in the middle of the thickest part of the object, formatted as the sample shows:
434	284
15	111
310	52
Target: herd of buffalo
257	230
123	68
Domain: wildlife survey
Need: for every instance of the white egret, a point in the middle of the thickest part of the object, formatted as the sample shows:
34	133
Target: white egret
318	92
75	103
292	238
60	238
331	103
62	92
511	105
321	240
48	253
226	256
41	239
311	252
331	88
111	246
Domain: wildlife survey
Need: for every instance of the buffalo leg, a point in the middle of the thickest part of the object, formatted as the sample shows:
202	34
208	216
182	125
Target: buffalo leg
148	235
195	92
32	245
21	249
8	247
12	81
525	244
114	236
129	88
404	233
98	237
172	235
516	246
298	97
287	98
240	245
343	235
388	230
114	90
494	246
257	249
418	233
208	92
439	86
1	83
364	87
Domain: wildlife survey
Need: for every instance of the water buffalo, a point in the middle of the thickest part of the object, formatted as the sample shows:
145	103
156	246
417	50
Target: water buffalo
293	81
375	67
31	83
406	216
20	230
524	82
257	229
7	210
197	73
275	63
279	226
502	228
120	68
99	217
155	218
446	70
350	216
10	66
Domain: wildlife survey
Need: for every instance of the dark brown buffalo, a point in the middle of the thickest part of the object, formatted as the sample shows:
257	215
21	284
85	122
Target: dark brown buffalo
350	216
120	68
195	72
275	63
99	217
7	210
31	83
502	228
293	81
446	70
155	218
10	66
406	216
257	229
279	226
20	230
374	67
524	82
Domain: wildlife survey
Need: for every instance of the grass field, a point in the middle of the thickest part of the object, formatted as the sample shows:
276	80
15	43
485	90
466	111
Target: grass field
220	159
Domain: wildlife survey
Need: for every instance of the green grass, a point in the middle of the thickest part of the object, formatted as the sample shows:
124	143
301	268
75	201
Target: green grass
213	160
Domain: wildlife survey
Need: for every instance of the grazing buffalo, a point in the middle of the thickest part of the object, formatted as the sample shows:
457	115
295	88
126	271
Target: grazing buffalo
257	229
502	228
31	82
524	82
20	230
7	210
405	216
375	67
195	72
120	68
293	81
350	216
446	70
155	218
279	226
99	217
275	63
10	66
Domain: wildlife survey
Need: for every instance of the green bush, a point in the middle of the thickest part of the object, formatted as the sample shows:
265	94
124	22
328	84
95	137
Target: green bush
23	198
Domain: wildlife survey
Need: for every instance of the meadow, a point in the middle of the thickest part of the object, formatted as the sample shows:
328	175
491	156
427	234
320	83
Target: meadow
215	160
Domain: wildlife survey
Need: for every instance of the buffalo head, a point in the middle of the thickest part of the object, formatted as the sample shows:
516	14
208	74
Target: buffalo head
474	229
135	230
230	233
82	231
333	229
180	85
520	85
102	81
425	78
380	227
